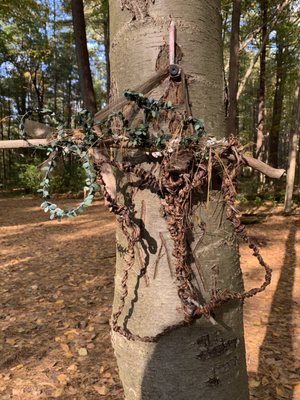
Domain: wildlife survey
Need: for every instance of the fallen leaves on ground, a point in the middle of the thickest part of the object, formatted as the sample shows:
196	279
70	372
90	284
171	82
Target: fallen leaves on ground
56	290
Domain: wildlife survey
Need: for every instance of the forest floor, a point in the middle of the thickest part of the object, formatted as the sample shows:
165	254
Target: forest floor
56	290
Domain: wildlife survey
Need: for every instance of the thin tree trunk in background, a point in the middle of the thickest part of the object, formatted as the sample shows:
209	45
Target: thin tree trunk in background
106	46
293	150
39	88
224	27
85	77
298	169
232	118
8	137
23	94
262	82
201	361
254	115
279	10
69	105
4	172
55	58
277	106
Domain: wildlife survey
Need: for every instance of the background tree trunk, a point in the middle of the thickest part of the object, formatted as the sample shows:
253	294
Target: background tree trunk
3	166
293	150
85	77
262	82
106	47
54	59
233	79
202	361
277	106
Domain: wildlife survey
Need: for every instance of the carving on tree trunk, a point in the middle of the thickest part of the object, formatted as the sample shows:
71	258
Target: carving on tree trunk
138	8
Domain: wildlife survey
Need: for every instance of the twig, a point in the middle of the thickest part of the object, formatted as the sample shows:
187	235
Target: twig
159	256
209	174
167	253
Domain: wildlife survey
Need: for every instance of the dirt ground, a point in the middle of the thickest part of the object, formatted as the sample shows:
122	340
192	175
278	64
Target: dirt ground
56	288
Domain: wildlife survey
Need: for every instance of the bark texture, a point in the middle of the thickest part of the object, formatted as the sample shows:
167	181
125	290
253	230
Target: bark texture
202	361
233	79
85	77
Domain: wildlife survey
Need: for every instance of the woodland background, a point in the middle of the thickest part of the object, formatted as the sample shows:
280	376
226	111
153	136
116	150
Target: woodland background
38	68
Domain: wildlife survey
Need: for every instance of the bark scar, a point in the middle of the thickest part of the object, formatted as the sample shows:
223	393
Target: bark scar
138	8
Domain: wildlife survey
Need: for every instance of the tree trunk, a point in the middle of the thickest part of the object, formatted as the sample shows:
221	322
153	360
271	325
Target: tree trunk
3	169
293	150
262	82
277	106
203	360
69	102
233	79
106	47
9	137
244	80
85	77
55	83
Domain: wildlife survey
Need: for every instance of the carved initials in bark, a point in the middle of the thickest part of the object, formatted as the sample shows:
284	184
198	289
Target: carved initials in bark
138	8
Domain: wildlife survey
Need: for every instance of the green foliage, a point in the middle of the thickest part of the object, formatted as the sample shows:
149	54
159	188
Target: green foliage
140	136
28	177
150	106
37	55
72	179
258	201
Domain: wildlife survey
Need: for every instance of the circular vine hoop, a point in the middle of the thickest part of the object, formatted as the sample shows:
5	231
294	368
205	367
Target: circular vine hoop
60	146
55	211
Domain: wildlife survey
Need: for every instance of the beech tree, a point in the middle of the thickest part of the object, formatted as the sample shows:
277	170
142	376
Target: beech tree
207	358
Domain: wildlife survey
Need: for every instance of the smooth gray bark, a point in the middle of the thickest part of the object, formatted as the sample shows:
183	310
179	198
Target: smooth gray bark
202	361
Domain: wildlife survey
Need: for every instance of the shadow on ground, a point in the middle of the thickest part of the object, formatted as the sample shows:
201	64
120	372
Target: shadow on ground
277	372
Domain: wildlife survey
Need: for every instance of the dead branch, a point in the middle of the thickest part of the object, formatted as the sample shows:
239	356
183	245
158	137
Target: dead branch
261	167
17	144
